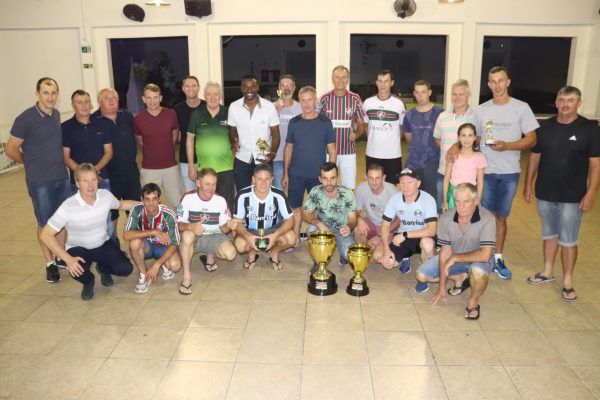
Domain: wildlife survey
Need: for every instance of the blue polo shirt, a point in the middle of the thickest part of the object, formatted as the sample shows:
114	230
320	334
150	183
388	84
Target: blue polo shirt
86	141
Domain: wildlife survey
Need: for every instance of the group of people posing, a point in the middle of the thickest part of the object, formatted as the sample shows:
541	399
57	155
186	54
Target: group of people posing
252	172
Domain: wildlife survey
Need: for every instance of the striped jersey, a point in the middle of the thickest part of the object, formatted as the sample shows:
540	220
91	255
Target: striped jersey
446	131
164	221
343	111
212	214
384	118
262	214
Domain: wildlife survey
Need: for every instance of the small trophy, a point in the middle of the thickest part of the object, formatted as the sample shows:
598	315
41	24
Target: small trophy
359	257
264	149
489	128
321	245
262	242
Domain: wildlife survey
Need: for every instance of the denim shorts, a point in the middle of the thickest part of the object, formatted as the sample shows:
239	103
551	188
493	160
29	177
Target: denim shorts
296	187
431	269
152	250
560	220
47	196
498	192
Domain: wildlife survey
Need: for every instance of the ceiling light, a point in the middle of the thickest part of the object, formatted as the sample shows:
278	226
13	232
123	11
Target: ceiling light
451	1
158	3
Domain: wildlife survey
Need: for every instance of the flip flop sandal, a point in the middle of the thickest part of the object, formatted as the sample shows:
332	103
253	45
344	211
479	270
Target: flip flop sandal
208	267
277	265
470	310
542	279
250	264
457	291
186	288
566	292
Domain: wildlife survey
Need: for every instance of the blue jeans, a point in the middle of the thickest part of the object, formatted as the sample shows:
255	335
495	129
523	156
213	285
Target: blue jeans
440	192
560	220
498	192
278	174
431	268
47	196
342	243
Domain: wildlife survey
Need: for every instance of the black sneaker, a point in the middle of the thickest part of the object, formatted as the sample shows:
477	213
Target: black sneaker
60	263
105	279
52	274
88	291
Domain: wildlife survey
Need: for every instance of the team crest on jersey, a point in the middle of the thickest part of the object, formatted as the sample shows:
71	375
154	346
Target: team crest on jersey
418	213
272	208
349	112
380	114
204	218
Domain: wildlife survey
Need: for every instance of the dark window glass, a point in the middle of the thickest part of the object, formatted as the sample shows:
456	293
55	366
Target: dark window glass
267	58
538	68
409	57
163	61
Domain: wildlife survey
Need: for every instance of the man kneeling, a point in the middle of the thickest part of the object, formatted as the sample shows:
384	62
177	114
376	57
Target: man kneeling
84	215
204	222
152	231
467	235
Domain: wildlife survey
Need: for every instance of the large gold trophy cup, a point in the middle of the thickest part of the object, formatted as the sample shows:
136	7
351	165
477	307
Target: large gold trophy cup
359	257
321	245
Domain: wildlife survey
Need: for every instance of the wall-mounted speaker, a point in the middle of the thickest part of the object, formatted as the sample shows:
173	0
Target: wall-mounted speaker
134	12
198	8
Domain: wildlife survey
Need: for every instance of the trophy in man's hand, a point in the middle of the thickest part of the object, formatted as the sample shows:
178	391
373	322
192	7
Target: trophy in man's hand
264	149
489	133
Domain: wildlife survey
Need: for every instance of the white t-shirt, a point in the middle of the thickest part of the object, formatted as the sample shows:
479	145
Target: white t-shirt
374	205
86	224
211	214
384	118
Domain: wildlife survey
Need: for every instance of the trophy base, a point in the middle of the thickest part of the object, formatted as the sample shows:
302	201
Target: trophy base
357	289
322	288
490	142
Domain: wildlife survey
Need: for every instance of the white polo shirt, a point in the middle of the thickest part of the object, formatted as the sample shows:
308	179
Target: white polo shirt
86	224
252	126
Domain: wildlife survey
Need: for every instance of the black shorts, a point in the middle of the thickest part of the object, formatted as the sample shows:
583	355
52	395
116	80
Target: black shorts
125	188
406	249
391	167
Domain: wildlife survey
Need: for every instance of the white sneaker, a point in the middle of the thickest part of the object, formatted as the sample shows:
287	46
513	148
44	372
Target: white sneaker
167	273
142	286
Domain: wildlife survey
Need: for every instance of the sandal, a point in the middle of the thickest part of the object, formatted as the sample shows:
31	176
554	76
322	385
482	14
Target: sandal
541	279
277	265
250	264
186	288
458	290
566	292
208	267
471	310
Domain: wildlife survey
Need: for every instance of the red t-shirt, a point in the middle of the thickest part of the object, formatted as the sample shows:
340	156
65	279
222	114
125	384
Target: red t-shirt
158	150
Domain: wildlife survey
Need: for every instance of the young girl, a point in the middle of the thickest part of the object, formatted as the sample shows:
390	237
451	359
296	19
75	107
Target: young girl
468	167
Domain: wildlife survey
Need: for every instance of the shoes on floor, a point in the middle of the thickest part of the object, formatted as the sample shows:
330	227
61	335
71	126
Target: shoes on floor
405	266
52	274
422	287
142	286
88	291
502	271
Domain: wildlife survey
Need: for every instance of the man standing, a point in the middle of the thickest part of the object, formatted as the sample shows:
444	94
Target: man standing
416	213
204	220
566	157
345	110
287	108
445	132
251	119
511	123
371	199
84	215
36	141
467	235
262	207
310	137
423	154
190	87
86	139
208	141
157	130
384	116
122	168
152	231
332	208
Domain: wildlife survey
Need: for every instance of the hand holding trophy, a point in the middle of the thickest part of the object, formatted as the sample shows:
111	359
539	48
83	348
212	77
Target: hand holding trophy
489	133
264	150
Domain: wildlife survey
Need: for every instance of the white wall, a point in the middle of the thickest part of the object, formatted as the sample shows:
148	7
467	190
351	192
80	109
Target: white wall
42	37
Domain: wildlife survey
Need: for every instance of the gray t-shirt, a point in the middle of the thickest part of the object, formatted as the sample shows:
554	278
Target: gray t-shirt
481	232
509	122
42	144
374	205
285	115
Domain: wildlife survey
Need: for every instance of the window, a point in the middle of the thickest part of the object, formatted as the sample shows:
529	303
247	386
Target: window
538	68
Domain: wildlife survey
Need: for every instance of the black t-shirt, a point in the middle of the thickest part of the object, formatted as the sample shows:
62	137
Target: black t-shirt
123	162
184	112
564	160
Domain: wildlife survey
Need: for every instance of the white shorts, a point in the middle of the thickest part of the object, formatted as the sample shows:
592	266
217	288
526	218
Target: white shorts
188	184
347	170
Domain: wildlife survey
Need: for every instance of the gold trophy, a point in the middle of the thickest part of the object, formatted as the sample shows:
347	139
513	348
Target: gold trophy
321	245
489	129
262	242
264	150
359	257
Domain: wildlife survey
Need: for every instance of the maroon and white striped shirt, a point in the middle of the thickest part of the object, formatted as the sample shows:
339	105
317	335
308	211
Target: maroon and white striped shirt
343	111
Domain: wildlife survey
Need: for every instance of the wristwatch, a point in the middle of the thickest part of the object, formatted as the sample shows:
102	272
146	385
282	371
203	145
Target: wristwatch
405	234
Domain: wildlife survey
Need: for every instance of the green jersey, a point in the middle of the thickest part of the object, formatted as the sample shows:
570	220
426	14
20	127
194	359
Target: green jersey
212	144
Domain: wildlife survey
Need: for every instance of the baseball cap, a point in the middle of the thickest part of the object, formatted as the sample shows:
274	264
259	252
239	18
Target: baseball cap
409	172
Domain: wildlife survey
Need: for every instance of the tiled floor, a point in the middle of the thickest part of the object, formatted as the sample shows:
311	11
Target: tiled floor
258	334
